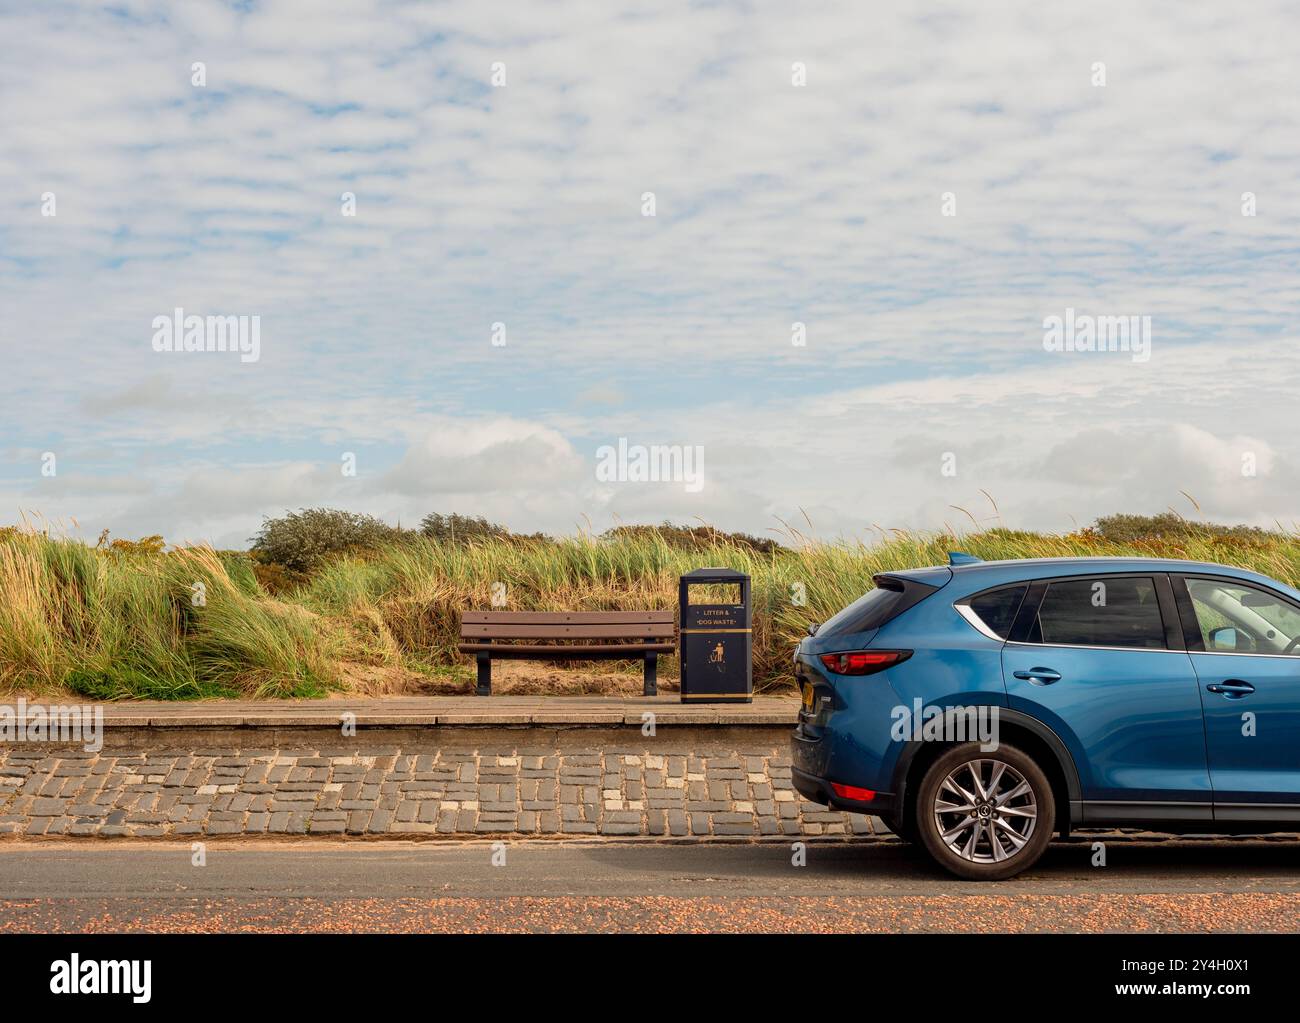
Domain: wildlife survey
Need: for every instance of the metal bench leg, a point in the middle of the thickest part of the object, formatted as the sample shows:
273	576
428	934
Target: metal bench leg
651	686
484	687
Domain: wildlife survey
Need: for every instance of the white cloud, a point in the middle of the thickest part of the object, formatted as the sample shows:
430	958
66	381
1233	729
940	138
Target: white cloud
483	457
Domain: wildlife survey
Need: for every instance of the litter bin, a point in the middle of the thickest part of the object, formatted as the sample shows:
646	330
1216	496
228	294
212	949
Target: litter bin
716	646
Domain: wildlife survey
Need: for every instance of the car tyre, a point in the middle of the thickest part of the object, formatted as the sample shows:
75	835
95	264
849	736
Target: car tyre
984	816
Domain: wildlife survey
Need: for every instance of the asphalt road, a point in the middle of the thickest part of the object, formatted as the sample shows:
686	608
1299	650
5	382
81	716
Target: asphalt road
602	886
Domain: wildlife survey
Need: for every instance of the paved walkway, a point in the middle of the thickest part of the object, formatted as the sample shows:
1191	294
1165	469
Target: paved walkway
522	765
665	786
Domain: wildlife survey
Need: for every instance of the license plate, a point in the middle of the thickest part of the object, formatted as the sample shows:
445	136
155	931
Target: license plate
808	696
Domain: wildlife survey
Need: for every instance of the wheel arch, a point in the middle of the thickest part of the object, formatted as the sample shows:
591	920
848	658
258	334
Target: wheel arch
1015	729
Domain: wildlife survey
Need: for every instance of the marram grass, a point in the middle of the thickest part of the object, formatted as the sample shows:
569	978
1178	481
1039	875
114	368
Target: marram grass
191	622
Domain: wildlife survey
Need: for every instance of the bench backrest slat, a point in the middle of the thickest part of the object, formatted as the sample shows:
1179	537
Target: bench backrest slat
567	624
561	631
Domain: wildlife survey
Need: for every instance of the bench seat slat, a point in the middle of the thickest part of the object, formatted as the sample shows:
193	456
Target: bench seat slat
565	617
647	630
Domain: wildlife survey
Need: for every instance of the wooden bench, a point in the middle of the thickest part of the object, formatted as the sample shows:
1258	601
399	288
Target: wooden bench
628	635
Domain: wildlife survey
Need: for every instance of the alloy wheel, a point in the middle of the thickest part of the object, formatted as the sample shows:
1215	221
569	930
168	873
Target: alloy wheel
985	811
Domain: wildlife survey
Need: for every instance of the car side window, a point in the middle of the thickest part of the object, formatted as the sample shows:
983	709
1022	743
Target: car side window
1236	617
1100	611
997	608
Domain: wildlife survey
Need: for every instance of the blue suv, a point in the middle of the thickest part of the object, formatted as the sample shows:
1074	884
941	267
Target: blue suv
979	707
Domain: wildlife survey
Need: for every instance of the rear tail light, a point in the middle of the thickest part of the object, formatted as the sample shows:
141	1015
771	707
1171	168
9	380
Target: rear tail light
863	662
853	792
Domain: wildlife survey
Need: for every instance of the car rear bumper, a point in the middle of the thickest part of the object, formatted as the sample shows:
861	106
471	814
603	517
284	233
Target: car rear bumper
816	789
820	753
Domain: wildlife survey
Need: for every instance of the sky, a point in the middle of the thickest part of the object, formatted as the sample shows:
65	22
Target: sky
920	186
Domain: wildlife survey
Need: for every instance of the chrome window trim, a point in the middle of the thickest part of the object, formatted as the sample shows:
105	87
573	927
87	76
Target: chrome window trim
1085	646
976	622
1244	653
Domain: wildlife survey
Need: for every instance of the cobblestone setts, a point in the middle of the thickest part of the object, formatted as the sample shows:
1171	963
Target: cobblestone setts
507	790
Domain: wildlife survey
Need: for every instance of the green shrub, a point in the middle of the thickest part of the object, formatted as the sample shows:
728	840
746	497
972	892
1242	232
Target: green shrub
301	541
455	528
467	528
1169	526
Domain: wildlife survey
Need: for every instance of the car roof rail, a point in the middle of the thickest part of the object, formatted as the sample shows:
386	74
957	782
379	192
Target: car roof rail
956	558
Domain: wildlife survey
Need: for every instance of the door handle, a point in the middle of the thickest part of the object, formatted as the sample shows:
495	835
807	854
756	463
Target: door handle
1041	676
1232	688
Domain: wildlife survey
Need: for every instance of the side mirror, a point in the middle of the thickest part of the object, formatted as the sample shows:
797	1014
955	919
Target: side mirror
1225	638
812	629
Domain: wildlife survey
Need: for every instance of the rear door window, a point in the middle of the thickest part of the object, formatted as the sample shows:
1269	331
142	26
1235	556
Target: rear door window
1110	611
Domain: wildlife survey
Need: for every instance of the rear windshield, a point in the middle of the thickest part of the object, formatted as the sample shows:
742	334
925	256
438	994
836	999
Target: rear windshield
871	610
